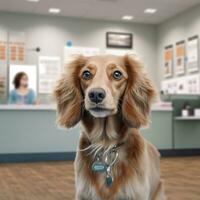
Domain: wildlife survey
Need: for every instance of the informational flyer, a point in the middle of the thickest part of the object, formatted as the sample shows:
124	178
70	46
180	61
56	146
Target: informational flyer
69	52
49	70
3	63
192	54
168	61
16	48
180	58
189	84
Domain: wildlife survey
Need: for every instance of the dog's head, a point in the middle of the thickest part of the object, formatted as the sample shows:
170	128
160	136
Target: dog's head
104	86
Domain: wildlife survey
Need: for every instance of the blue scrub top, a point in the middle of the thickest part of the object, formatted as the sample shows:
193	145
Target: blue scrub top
15	98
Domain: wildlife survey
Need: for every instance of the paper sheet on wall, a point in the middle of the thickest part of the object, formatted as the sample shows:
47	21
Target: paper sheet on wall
49	70
168	61
180	58
3	63
69	52
192	54
118	52
17	47
182	85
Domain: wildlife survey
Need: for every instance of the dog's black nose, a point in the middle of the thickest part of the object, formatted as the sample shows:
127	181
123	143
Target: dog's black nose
97	95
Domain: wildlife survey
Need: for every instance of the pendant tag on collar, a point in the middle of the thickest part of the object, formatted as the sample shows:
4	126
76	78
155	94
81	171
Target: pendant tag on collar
109	180
99	167
109	177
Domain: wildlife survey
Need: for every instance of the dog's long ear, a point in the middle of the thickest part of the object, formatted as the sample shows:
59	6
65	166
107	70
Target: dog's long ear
68	94
138	95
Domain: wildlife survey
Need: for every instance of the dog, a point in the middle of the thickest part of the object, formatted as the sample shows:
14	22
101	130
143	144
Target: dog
112	97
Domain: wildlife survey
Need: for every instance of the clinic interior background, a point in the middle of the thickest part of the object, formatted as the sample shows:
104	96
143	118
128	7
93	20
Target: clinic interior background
51	33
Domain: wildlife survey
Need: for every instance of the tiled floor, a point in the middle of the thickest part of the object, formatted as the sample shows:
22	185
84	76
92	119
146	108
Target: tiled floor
55	180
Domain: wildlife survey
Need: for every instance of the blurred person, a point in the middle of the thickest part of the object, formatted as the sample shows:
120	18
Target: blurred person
22	94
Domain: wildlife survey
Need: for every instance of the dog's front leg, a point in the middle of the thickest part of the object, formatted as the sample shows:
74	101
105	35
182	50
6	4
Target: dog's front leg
78	197
82	189
81	196
159	193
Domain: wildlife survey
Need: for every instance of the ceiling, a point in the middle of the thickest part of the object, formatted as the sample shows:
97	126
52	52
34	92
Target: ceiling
104	9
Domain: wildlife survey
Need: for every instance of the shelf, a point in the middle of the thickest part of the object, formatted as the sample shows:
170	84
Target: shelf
188	118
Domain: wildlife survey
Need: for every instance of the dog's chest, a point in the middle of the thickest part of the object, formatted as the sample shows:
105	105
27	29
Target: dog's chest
134	191
95	189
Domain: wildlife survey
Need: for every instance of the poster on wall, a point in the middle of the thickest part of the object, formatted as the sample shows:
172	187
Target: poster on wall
168	61
180	58
16	47
69	52
192	54
29	70
49	70
3	63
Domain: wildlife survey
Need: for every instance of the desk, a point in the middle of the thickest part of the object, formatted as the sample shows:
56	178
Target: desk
32	129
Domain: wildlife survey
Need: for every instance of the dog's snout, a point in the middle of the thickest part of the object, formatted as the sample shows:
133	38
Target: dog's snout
97	95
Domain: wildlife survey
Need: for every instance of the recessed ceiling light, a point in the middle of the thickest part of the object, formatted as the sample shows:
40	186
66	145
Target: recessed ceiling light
150	10
33	1
127	17
54	10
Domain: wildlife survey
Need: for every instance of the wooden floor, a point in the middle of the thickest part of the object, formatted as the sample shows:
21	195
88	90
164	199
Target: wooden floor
55	181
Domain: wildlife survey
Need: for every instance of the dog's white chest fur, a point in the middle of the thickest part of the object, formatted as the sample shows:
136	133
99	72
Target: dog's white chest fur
131	191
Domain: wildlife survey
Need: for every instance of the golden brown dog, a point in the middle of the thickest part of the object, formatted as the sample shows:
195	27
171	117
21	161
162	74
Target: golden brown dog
111	96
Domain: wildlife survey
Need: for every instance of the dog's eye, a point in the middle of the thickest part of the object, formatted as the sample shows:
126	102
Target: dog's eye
117	75
86	75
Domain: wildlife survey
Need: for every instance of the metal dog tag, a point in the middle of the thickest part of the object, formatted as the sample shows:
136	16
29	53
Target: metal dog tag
109	180
99	167
109	177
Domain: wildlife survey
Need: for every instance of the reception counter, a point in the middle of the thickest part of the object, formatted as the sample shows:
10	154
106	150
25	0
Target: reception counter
29	133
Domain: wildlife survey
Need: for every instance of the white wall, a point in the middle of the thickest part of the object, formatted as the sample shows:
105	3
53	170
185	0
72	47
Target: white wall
51	34
179	28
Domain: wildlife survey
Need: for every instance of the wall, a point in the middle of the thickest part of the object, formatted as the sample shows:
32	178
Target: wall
179	28
51	33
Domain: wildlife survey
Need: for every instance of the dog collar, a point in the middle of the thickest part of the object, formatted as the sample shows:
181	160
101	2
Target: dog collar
104	162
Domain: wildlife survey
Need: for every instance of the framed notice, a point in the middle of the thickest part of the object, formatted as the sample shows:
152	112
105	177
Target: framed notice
49	70
119	40
168	61
180	58
192	54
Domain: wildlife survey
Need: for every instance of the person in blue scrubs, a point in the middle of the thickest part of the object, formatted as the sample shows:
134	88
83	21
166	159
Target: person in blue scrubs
21	94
